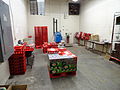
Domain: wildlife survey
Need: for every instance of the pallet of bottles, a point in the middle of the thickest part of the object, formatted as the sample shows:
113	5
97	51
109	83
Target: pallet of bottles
62	65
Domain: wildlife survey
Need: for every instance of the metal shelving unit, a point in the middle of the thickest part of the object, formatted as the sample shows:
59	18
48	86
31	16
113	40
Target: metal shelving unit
115	40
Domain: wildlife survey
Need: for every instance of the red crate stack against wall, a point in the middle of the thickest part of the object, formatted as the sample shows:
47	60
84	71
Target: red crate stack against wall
17	62
38	37
35	29
45	34
41	35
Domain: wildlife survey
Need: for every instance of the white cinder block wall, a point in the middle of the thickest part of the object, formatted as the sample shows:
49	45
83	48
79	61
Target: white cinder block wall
97	16
55	9
18	11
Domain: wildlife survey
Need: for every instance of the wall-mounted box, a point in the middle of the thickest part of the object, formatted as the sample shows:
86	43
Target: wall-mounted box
74	8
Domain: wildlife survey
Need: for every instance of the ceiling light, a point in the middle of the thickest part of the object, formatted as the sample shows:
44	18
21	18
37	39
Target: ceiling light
74	0
40	0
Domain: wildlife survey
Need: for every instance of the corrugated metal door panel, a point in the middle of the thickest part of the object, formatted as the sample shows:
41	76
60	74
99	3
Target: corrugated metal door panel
6	32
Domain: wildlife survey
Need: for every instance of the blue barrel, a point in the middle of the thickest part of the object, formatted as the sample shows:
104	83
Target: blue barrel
58	37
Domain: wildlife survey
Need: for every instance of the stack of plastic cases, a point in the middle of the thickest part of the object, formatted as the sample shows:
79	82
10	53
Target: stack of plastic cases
17	62
41	35
45	47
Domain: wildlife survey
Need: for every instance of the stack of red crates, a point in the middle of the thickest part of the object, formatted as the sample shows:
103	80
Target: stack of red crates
17	62
53	45
49	45
45	47
41	35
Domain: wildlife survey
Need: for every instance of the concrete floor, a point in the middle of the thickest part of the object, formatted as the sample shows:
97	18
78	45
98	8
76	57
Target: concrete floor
94	73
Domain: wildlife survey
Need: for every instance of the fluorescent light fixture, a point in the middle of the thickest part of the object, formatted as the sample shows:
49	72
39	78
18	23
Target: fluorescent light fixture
74	0
40	0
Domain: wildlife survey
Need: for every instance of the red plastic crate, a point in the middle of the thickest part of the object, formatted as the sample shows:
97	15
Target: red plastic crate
53	45
52	50
45	43
64	74
44	33
62	49
16	56
38	46
28	48
17	72
19	48
87	37
17	64
41	36
19	52
45	49
18	69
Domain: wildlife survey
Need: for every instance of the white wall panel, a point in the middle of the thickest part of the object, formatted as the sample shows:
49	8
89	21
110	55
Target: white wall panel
55	9
97	16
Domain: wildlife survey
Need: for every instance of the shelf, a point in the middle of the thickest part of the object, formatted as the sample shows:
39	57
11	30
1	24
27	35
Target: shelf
115	58
116	33
116	41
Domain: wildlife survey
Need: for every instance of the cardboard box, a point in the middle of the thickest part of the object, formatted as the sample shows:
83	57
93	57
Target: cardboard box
15	87
107	56
95	38
19	87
